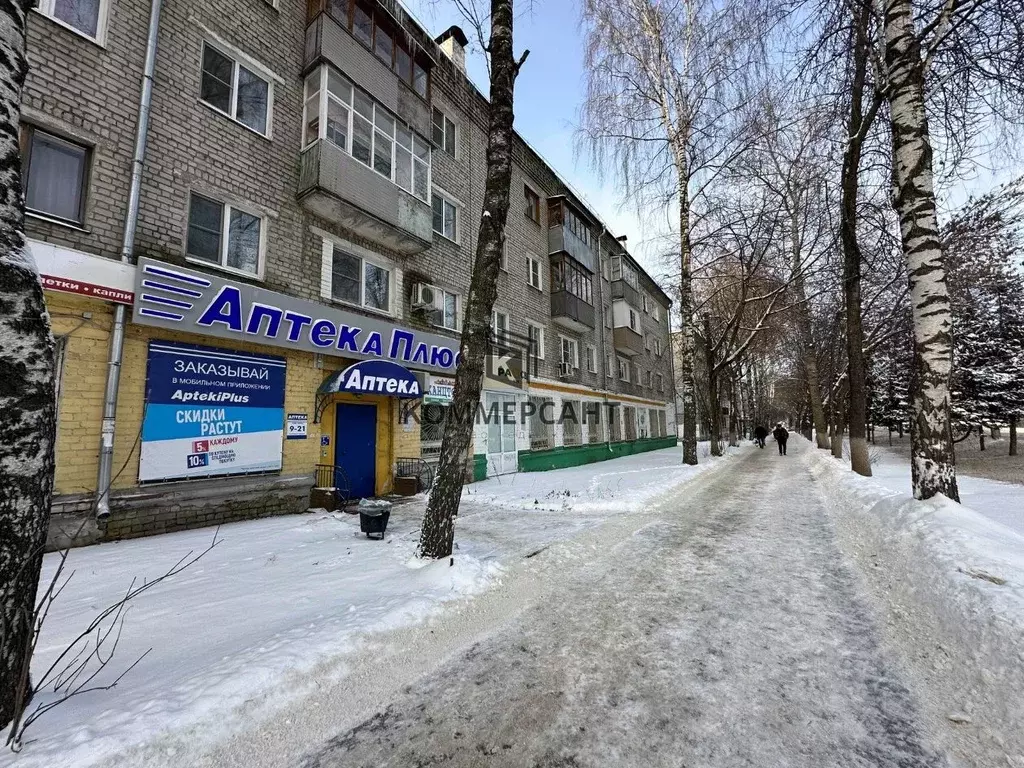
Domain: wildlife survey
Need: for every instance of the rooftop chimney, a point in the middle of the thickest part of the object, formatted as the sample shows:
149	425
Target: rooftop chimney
453	42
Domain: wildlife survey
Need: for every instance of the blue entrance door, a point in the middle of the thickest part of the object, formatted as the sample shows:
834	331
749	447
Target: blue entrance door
355	447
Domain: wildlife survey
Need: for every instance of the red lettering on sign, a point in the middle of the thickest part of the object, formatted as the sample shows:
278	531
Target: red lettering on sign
87	289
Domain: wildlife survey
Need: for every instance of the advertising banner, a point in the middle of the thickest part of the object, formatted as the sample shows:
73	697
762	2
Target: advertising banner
440	390
211	412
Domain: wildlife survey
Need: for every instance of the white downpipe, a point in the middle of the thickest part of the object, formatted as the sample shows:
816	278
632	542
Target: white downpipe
105	471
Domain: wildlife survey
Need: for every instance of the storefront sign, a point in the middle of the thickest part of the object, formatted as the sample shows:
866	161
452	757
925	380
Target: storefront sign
373	377
440	390
171	297
210	412
70	271
296	426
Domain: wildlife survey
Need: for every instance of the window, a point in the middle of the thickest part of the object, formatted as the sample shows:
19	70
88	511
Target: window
572	428
656	312
608	366
561	214
646	303
535	333
444	132
432	420
499	326
446	218
629	421
569	275
448	315
657	347
661	383
532	204
224	235
623	370
634	320
54	172
383	44
503	262
88	17
541	423
570	352
608	317
377	32
534	273
606	269
355	280
362	24
420	79
337	112
592	418
621	270
652	419
647	343
647	378
591	355
238	92
639	375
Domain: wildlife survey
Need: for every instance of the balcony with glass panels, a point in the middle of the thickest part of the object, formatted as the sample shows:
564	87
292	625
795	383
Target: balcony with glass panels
361	168
572	298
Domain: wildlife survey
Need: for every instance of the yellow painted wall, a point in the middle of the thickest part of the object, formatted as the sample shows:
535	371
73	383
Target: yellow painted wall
84	376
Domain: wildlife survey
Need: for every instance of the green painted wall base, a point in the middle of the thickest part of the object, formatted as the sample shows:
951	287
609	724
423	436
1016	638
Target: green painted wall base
575	456
479	467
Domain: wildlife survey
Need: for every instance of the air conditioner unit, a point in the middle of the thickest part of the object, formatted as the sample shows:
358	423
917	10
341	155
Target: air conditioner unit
565	369
428	297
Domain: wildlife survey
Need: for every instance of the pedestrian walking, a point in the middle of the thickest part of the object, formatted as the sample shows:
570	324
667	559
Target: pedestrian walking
781	435
760	435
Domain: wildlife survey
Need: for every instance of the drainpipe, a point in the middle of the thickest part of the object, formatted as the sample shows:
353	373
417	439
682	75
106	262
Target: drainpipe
603	383
103	475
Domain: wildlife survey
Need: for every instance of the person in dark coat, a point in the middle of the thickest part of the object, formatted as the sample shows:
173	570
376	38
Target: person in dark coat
781	435
760	434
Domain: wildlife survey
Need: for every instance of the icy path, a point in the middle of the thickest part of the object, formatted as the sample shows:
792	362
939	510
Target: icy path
726	630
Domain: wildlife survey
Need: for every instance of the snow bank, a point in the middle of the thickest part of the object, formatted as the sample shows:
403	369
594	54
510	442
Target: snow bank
950	584
620	485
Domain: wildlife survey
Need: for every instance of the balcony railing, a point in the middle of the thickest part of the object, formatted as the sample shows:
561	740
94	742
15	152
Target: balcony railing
623	290
627	341
337	187
572	311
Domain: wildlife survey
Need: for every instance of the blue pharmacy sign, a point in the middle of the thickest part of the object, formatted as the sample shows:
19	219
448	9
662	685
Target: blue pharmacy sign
374	377
211	411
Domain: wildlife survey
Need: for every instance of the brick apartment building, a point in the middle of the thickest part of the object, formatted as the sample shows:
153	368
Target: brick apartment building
310	194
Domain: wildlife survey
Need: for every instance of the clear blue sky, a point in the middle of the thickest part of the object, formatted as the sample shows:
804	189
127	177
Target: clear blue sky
549	91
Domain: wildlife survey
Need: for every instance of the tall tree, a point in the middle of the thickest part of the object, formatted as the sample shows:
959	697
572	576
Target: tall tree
27	419
860	119
960	62
438	532
659	85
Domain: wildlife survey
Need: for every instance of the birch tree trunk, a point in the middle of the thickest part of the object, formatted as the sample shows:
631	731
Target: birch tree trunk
438	532
932	461
686	335
26	389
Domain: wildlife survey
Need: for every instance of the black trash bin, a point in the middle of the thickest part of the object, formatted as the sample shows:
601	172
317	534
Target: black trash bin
373	519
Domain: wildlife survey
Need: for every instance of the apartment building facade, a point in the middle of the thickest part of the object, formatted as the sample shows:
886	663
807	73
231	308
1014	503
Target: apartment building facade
311	188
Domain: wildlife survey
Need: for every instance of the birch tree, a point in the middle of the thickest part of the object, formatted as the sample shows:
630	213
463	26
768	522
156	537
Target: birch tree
438	532
961	62
659	81
26	388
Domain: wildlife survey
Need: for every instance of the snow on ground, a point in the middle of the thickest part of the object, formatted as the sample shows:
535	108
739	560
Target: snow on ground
232	635
1001	502
949	581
